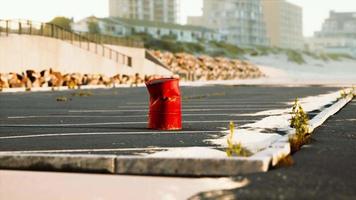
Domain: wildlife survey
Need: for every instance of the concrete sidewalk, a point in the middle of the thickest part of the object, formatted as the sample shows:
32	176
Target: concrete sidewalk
17	185
324	169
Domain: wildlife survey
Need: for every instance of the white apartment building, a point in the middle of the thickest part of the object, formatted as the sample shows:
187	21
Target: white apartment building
150	10
240	20
338	34
283	23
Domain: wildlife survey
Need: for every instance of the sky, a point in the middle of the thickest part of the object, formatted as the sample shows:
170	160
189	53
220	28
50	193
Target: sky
314	11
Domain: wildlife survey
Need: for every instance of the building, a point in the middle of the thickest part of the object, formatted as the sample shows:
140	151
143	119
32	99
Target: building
124	27
150	10
283	24
240	20
338	34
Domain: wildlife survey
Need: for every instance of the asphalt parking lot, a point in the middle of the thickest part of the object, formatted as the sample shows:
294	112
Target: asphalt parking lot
114	121
323	169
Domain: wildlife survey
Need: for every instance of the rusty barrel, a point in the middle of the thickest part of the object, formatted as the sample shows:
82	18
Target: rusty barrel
165	111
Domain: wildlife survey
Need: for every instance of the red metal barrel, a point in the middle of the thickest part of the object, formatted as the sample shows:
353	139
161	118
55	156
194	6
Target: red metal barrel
165	104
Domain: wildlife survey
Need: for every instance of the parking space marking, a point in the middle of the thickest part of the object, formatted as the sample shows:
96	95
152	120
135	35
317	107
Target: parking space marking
184	110
214	105
105	133
95	150
112	123
218	102
117	116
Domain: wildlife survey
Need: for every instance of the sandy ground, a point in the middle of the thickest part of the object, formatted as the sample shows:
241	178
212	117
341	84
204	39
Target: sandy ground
279	70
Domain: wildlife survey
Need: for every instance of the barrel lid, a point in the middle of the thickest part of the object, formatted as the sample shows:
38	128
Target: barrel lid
159	80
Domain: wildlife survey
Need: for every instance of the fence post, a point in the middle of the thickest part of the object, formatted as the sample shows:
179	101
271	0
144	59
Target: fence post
20	29
41	30
80	40
52	30
110	53
30	23
96	43
7	27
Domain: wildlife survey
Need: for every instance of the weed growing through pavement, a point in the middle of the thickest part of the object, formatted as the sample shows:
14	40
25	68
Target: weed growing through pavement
235	149
76	94
82	94
344	94
300	122
62	99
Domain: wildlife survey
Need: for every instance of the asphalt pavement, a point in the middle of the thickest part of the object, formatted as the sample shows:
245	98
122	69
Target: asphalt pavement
114	121
323	169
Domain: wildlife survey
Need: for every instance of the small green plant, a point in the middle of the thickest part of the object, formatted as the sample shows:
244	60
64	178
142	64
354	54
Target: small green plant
344	94
232	148
82	94
62	99
299	121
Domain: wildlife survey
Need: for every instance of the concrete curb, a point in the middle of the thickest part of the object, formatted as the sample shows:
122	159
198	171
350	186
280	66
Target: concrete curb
190	166
281	147
134	165
67	163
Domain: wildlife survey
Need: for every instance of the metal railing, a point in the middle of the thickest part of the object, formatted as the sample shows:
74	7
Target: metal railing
113	40
27	27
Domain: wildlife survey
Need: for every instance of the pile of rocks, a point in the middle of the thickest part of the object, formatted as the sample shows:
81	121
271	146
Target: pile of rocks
190	67
49	78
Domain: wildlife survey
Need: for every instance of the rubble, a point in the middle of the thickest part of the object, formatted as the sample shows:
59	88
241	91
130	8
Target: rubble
192	68
50	78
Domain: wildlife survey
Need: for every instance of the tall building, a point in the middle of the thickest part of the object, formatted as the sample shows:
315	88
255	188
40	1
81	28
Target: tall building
283	23
152	10
338	34
241	21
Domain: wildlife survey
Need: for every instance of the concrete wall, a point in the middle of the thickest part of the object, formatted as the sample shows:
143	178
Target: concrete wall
22	52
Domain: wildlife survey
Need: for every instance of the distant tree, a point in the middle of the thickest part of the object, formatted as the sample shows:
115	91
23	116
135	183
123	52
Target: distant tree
63	22
93	27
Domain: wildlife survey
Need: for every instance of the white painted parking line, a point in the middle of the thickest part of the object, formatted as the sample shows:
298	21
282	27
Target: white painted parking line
114	116
95	150
104	133
75	116
184	110
112	123
215	105
219	102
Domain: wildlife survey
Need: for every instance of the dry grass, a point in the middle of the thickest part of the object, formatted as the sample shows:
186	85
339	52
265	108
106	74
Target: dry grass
82	94
62	99
297	142
285	161
235	149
